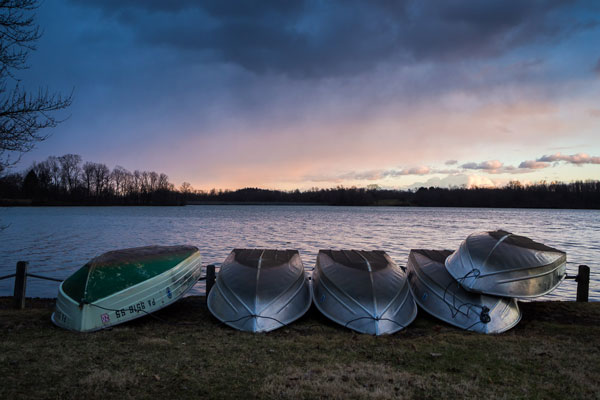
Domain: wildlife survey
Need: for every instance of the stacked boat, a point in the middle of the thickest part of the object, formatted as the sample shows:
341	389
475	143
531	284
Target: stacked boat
258	290
476	287
503	264
438	293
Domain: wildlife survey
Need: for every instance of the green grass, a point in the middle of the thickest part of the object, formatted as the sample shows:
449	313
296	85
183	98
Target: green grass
554	352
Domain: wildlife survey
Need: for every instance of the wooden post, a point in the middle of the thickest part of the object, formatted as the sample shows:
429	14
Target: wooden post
583	283
20	285
210	278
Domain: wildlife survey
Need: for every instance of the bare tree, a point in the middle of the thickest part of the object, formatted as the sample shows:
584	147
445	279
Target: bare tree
145	182
70	170
22	114
128	184
186	188
101	178
88	176
96	177
55	173
119	178
42	171
137	181
163	182
153	181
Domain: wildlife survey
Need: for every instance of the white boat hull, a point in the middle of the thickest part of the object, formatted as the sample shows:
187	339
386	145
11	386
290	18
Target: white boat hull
128	304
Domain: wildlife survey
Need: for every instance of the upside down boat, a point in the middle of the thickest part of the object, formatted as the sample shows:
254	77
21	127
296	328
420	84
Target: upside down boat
363	290
259	290
438	293
503	264
122	285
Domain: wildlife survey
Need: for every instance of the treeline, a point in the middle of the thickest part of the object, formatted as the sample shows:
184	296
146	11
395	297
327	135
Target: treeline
68	180
514	195
578	194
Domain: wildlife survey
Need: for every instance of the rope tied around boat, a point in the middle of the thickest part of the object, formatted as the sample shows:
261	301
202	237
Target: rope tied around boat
484	314
375	319
283	324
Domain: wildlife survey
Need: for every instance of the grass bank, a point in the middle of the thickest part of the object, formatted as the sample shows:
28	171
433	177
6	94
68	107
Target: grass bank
554	352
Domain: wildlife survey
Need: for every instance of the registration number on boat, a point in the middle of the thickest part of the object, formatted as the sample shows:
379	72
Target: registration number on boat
135	308
59	316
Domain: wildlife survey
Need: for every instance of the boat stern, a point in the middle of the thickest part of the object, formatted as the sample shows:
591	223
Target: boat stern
67	312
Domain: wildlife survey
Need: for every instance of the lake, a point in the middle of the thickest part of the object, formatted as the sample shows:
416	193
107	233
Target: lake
58	240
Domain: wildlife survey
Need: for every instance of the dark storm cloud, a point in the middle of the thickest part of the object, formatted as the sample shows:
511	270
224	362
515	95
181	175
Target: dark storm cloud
118	6
217	7
316	39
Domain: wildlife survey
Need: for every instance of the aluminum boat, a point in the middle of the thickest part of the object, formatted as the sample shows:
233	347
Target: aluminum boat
259	290
503	264
363	290
438	293
122	285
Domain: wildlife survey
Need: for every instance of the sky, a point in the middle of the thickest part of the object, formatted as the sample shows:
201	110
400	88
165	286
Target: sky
302	94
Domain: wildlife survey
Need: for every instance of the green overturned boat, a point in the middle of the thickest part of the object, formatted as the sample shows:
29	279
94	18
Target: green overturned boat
122	285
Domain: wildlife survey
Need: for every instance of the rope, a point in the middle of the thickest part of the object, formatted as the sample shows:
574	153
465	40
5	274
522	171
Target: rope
33	276
44	277
376	319
472	325
484	316
283	324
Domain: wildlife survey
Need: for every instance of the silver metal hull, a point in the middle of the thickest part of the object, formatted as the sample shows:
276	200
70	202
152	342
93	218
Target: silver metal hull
503	264
438	293
260	290
363	290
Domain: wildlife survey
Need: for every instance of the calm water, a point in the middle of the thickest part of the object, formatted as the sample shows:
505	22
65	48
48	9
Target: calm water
58	240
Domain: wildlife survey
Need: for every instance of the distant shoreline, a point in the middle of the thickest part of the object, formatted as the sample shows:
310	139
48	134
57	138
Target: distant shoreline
10	203
30	191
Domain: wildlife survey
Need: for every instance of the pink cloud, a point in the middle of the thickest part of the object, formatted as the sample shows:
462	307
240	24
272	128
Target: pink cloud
578	159
492	166
532	164
372	175
416	171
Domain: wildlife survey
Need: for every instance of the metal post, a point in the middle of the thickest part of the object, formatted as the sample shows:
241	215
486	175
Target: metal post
583	283
20	284
210	278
